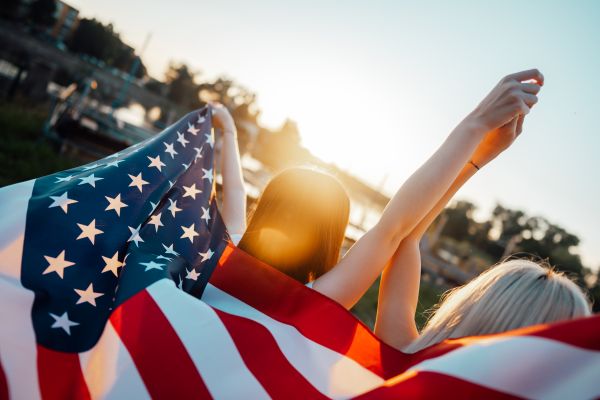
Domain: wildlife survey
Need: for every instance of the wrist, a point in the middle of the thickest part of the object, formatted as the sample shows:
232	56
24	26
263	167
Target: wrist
475	124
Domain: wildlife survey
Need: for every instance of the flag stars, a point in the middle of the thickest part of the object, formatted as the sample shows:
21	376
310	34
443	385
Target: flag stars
114	163
207	255
63	322
57	264
135	235
155	220
91	179
205	214
170	149
169	249
173	207
198	153
152	265
191	191
115	203
156	162
62	201
181	139
201	119
92	166
88	295
210	138
89	231
192	129
193	274
64	179
112	264
208	174
189	232
137	181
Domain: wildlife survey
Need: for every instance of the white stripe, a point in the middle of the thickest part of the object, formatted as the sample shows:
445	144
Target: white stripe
527	366
208	343
109	370
17	338
332	373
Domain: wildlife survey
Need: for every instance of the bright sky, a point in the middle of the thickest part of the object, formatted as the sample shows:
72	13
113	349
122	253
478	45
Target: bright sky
376	86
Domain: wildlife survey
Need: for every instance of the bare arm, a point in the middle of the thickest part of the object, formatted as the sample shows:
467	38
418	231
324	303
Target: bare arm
349	280
234	192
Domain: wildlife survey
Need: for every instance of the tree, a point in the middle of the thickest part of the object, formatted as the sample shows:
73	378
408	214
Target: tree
41	13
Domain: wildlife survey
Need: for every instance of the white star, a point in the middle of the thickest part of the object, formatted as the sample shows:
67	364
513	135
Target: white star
205	214
112	264
169	250
193	275
135	235
88	295
91	179
57	264
189	233
210	139
208	174
64	179
62	201
89	231
207	255
181	139
63	322
114	163
170	149
185	166
180	284
155	162
155	220
201	119
173	207
152	265
164	258
191	191
153	206
192	129
95	165
198	154
137	181
115	204
171	184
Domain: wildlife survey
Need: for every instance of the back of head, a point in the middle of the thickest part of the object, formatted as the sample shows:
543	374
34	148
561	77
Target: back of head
299	222
510	295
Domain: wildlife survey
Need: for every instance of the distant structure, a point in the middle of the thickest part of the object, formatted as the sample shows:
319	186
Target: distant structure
67	19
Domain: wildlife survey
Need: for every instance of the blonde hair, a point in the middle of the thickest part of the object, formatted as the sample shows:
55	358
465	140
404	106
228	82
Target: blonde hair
509	295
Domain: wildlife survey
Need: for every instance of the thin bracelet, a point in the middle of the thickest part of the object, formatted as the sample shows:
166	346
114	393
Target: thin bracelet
475	165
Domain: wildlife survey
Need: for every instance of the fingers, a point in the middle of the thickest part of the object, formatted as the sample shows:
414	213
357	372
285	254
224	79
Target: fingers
529	88
519	127
521	76
529	99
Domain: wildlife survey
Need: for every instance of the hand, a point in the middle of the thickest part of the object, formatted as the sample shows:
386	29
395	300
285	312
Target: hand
497	140
222	118
511	97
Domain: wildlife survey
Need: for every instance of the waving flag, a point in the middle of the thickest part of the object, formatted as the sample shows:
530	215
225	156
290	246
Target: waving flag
118	280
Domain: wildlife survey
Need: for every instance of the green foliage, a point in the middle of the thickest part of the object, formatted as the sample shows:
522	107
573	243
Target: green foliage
24	154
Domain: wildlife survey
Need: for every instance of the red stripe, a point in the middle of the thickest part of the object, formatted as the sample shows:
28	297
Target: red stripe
3	383
60	375
316	316
431	385
262	355
158	353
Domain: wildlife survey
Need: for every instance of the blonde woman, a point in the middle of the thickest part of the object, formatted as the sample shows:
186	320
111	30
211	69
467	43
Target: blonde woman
512	294
299	221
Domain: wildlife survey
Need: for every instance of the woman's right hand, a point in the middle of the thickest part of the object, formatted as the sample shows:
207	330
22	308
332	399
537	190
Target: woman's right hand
511	97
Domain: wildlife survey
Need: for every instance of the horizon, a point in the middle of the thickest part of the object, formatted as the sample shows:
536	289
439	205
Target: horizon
402	76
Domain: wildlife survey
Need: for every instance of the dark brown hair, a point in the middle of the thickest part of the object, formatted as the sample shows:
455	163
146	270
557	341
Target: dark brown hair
314	199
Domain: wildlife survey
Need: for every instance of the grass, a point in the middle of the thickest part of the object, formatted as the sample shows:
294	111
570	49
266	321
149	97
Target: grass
24	153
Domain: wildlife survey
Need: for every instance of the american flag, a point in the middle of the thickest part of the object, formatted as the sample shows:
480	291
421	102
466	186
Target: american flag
118	280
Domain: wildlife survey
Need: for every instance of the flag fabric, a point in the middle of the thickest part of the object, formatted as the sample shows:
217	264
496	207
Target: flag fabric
118	280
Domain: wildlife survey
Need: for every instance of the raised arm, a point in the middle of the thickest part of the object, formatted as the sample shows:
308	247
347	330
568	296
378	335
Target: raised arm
234	192
348	281
400	280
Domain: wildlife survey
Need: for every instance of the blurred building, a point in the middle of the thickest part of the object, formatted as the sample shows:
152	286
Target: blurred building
67	19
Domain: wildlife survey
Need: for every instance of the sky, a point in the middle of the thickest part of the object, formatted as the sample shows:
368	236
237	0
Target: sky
375	87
